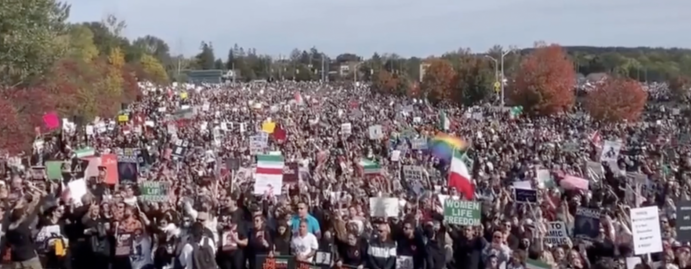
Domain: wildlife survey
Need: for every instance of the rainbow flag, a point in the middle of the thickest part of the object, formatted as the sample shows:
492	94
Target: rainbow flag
443	146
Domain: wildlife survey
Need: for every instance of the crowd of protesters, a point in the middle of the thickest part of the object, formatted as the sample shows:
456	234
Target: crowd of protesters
172	182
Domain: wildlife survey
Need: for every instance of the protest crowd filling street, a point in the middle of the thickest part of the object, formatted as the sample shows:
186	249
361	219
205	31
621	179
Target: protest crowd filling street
330	175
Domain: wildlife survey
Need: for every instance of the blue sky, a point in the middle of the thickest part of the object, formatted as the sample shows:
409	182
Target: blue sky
405	27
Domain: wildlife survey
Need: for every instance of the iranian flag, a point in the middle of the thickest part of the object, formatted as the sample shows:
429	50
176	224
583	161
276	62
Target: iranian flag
460	178
269	175
369	167
85	152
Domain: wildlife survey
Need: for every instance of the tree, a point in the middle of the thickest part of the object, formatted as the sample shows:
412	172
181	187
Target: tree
385	83
206	58
12	138
81	43
153	70
72	82
218	64
475	80
230	62
617	99
111	93
33	38
544	83
155	47
438	81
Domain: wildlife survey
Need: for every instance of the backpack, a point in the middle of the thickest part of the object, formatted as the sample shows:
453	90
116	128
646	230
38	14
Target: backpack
203	256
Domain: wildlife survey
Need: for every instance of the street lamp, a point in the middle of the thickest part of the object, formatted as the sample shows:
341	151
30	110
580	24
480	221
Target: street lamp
501	66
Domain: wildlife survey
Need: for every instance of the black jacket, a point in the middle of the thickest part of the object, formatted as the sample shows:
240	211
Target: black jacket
381	254
435	255
467	254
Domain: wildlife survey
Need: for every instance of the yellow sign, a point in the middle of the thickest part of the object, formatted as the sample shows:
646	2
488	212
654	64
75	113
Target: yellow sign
268	127
123	118
183	95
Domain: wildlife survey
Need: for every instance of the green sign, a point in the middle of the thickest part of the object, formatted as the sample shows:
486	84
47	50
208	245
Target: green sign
54	170
153	191
462	212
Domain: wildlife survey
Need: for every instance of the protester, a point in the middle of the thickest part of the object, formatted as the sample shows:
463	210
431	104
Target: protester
331	175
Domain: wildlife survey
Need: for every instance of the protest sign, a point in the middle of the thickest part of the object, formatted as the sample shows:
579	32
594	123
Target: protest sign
525	195
683	224
346	128
587	223
645	226
570	147
54	170
109	164
258	143
233	164
179	149
153	191
419	144
556	233
610	151
375	132
412	173
383	207
462	212
291	173
128	165
282	261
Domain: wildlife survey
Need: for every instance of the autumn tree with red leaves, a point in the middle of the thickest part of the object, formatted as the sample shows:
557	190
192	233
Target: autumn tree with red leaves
385	83
12	139
617	99
439	81
544	83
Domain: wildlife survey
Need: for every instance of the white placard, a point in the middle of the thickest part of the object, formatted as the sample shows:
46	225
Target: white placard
645	224
610	151
420	143
375	132
543	176
395	155
383	207
556	233
346	128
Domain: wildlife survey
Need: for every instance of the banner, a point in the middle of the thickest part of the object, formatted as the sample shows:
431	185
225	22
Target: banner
291	173
153	191
587	223
462	212
128	165
288	262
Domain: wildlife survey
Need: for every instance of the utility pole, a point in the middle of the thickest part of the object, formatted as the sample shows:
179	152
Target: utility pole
501	66
280	66
323	67
179	65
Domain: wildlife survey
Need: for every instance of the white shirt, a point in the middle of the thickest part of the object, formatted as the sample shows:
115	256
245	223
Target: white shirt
303	245
186	253
141	256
